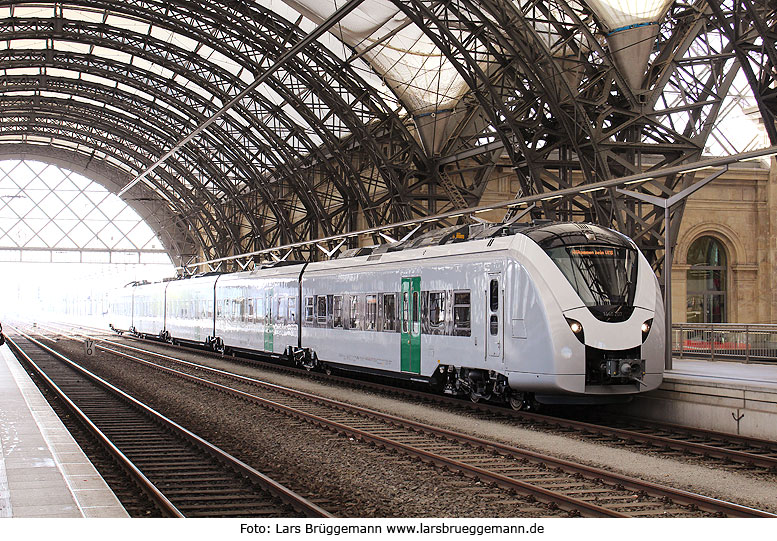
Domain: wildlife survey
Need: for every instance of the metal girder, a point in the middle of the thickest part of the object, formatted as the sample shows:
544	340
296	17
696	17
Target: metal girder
546	91
315	145
751	27
274	165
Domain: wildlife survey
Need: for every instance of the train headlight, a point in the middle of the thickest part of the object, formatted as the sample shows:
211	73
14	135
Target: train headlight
577	329
646	329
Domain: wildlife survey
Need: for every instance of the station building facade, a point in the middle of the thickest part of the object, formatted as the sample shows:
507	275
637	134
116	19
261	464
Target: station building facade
726	253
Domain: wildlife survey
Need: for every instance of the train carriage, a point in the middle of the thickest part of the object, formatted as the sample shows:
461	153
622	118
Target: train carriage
257	310
190	309
556	312
402	313
120	309
149	309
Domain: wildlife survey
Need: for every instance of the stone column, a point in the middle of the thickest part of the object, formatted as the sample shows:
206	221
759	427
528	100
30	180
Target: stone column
679	292
769	283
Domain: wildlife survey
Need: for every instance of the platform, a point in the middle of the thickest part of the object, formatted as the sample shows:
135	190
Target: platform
731	397
43	472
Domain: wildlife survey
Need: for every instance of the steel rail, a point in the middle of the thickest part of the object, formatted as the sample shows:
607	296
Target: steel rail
563	502
145	484
742	457
298	502
676	495
707	450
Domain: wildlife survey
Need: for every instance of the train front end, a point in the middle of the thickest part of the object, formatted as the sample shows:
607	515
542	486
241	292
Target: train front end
603	316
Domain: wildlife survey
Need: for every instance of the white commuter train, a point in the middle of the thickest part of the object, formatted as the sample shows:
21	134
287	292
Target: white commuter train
554	313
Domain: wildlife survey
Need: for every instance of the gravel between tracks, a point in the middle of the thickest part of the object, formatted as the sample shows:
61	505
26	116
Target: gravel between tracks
402	490
339	471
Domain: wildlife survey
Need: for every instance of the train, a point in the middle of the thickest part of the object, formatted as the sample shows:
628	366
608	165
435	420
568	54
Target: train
538	313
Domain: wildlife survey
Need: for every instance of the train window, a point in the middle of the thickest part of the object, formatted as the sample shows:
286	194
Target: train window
436	309
329	310
415	307
309	309
461	313
283	309
293	310
260	310
405	312
371	314
494	325
353	319
389	312
321	309
337	312
494	295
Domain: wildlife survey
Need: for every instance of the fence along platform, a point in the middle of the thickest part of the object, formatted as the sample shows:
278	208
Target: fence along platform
736	393
725	341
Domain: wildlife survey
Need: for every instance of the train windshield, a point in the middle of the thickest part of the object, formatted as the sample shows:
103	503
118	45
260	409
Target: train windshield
605	277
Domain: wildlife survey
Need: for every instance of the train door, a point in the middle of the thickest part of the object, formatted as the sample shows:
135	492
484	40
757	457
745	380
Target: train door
410	326
269	328
494	310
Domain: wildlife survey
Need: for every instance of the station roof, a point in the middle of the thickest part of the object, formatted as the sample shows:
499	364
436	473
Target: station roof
356	124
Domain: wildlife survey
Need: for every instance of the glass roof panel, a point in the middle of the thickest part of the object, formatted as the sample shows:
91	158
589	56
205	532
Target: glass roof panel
72	46
63	73
152	67
99	80
82	14
23	12
28	44
22	71
173	38
125	23
112	54
411	64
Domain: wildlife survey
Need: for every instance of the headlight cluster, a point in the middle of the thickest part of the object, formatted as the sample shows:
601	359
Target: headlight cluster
577	329
646	329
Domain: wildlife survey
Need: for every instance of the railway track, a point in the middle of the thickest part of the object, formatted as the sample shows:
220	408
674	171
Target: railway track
183	474
725	450
575	488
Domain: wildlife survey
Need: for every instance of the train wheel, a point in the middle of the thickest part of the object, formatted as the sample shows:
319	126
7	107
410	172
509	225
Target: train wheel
477	397
517	401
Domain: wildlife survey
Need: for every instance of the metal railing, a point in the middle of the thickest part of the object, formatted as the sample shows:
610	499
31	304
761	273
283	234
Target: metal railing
725	341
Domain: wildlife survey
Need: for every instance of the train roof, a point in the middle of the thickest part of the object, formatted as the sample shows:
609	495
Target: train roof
544	232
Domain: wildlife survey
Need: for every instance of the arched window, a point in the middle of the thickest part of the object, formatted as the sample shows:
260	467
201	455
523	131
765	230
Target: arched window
706	281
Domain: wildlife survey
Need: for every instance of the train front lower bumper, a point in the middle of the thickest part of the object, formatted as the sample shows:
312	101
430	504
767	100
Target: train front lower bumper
575	384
